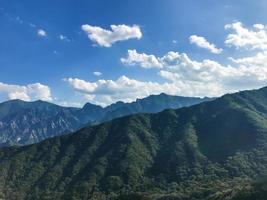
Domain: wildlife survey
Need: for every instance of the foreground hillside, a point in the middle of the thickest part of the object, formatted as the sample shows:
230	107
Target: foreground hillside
209	151
24	123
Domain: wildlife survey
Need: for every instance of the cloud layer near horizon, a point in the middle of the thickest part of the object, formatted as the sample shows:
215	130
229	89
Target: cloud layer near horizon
186	76
30	92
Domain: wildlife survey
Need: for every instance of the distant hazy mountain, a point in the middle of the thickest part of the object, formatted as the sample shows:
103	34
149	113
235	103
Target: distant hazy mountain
30	122
151	104
210	151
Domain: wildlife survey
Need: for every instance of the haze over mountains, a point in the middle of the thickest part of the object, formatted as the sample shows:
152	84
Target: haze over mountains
209	151
24	123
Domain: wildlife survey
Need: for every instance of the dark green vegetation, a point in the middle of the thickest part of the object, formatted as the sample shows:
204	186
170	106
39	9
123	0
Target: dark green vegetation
210	151
31	122
257	190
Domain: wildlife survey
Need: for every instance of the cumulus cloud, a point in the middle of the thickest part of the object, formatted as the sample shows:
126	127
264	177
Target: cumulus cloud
97	73
207	72
259	60
203	43
242	37
179	68
255	39
41	33
106	38
256	64
29	92
125	89
182	75
142	59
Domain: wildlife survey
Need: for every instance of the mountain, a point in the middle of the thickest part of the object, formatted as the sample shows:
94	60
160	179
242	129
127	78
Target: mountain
24	123
29	122
151	104
209	151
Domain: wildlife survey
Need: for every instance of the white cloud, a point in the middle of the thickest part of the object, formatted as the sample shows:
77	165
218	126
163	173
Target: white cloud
151	61
259	60
70	104
182	75
105	92
203	43
41	33
144	60
63	38
97	73
26	92
179	68
254	38
259	26
256	64
219	78
106	38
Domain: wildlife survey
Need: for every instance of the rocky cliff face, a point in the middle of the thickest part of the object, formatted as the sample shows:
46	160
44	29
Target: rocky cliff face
35	121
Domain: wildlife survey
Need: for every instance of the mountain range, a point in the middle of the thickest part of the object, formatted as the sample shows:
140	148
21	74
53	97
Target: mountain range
210	151
23	123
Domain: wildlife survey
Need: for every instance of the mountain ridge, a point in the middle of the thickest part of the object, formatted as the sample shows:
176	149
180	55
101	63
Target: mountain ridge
23	123
208	151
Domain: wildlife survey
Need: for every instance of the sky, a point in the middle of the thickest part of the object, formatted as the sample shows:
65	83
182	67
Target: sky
76	51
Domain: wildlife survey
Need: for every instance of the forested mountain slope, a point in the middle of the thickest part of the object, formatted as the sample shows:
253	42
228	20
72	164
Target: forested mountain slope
210	151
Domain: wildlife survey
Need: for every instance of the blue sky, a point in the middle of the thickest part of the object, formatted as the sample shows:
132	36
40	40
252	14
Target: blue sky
174	46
